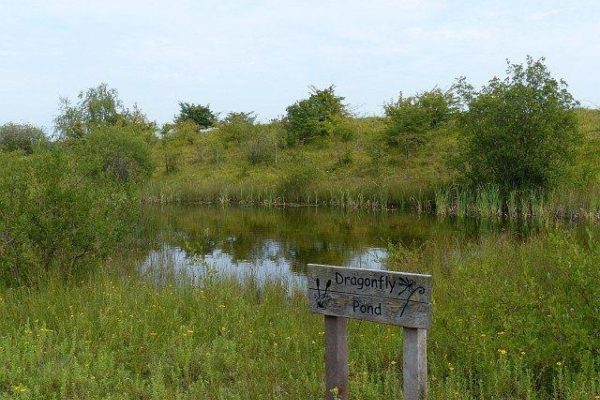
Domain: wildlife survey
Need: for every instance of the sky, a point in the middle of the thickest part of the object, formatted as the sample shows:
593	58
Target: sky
262	56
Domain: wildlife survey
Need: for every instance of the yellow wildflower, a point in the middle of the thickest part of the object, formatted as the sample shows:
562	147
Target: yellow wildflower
20	389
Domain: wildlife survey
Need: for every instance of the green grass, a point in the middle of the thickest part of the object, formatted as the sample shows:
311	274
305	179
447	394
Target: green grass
363	172
511	321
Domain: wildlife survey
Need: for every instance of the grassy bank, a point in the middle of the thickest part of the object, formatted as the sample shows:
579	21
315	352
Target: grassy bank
511	321
358	170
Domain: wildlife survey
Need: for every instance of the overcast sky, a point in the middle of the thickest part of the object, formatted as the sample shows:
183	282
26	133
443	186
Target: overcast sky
262	55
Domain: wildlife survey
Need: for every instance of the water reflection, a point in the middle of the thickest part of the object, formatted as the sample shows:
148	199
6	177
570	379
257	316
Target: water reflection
278	243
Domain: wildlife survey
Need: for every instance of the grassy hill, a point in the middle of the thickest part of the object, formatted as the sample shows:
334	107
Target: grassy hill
354	169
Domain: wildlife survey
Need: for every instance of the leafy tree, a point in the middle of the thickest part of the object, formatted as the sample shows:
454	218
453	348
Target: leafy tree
316	116
201	115
520	131
409	117
96	107
20	137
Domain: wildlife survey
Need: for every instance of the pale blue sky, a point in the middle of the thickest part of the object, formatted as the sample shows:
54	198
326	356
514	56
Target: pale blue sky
262	55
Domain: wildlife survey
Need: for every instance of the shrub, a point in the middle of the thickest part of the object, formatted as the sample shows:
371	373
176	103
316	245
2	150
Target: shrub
119	153
314	117
20	137
408	117
184	132
519	132
238	126
211	149
174	138
56	218
263	146
345	129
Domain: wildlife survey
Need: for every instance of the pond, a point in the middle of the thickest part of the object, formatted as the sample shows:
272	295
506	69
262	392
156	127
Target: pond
277	243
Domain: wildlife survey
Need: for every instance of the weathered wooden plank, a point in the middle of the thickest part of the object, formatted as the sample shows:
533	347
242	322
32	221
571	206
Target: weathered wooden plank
381	296
414	368
336	358
397	285
385	310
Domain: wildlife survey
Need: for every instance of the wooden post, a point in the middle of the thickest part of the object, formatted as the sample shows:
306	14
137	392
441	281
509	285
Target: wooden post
414	365
336	358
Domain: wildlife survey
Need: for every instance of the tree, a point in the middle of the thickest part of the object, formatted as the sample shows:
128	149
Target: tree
20	137
520	131
201	115
316	116
99	106
95	106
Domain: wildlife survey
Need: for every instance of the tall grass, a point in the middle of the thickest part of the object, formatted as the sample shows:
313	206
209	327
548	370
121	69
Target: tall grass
484	202
487	202
511	321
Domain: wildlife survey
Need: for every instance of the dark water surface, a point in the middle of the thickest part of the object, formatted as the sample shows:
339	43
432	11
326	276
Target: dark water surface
278	243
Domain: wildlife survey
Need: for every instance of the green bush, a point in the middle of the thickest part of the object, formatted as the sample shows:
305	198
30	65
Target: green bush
181	133
20	137
263	145
314	117
519	132
55	217
119	153
345	130
409	117
237	126
174	138
211	149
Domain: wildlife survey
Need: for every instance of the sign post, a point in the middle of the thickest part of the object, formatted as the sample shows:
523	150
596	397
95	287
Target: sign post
395	298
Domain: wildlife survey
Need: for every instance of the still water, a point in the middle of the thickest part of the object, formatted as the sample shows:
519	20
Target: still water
278	243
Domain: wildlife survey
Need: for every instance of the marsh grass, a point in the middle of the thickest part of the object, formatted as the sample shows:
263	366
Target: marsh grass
511	321
574	205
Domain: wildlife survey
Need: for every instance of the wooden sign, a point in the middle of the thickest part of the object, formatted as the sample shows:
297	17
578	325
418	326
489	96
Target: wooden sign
382	296
396	298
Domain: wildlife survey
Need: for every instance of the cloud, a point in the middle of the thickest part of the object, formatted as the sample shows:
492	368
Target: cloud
540	15
261	55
